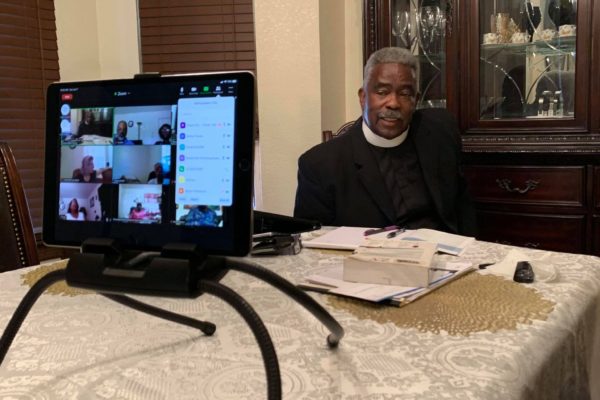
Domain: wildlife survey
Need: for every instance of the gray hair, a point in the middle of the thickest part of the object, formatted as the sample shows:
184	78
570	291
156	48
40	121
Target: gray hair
392	55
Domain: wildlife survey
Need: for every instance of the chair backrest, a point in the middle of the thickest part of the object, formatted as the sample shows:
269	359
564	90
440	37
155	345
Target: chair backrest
328	135
16	233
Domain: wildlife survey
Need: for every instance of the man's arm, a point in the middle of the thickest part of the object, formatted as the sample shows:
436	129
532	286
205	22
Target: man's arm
467	217
463	207
313	201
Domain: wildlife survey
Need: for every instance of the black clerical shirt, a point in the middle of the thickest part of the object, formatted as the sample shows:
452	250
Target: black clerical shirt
403	177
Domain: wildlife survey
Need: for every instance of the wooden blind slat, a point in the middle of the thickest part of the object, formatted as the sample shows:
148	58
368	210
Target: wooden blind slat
200	57
28	63
199	29
185	20
197	35
168	12
182	3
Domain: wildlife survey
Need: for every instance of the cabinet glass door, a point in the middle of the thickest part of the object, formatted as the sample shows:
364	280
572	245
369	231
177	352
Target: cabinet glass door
421	26
527	59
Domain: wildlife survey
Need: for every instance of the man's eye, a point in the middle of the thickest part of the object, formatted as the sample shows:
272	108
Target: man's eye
382	92
406	93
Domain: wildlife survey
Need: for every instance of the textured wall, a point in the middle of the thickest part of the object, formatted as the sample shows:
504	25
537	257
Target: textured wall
289	87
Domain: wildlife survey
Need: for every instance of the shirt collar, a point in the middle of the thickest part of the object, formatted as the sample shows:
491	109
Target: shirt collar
379	141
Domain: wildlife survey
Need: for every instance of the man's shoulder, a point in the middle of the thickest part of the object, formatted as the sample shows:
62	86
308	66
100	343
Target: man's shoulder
435	115
436	121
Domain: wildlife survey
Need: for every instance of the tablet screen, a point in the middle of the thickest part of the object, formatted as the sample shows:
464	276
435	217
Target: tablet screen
151	161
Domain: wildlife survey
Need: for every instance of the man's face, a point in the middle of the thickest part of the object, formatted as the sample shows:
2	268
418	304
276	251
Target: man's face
388	99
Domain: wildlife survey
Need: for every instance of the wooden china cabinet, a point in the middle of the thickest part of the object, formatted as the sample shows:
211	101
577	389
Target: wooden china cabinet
523	79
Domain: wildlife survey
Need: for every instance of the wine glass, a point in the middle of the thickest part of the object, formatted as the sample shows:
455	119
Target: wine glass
534	16
554	12
440	28
401	27
428	17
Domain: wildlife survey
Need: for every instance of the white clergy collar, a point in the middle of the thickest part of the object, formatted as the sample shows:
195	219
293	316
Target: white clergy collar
379	141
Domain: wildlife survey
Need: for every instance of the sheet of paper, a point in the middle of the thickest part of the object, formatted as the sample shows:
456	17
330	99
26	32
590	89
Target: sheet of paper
461	268
343	238
447	242
349	238
507	266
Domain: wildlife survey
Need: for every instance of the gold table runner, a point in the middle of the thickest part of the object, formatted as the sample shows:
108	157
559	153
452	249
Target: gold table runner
59	288
472	303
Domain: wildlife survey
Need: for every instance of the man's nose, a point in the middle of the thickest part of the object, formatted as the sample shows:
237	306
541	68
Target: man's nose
393	102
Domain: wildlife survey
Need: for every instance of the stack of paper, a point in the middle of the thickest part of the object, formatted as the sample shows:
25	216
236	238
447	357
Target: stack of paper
391	262
349	238
433	273
331	280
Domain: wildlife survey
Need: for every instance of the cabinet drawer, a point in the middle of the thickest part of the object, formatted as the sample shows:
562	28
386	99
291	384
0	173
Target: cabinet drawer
555	186
549	232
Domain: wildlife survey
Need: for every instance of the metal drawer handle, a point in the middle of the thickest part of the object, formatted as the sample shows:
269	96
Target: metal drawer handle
505	184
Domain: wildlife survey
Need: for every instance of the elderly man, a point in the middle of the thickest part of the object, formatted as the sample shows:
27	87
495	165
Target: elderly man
395	166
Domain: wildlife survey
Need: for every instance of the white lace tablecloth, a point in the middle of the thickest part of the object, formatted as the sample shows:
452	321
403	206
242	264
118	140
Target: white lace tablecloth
87	347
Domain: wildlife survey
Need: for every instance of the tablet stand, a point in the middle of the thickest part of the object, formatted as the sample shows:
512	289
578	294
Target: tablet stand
179	270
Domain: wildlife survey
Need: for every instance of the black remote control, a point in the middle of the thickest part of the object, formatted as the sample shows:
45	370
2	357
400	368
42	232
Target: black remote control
523	272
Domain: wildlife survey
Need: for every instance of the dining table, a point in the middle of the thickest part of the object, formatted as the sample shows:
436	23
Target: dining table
481	336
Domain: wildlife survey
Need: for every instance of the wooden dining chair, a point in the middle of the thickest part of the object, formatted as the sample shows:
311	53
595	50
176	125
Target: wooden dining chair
328	135
16	232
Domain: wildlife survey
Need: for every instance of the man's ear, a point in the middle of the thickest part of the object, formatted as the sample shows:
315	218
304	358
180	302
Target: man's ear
361	97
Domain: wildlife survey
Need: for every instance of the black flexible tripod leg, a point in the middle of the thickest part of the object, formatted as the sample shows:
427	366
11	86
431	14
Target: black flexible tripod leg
207	328
337	331
258	329
24	307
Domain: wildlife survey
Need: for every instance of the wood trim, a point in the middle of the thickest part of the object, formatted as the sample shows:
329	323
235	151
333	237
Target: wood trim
19	211
541	143
594	67
370	33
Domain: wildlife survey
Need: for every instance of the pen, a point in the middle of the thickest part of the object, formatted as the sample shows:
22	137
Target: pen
379	230
395	233
443	269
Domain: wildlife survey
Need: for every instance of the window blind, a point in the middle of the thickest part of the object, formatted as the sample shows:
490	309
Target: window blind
180	36
28	64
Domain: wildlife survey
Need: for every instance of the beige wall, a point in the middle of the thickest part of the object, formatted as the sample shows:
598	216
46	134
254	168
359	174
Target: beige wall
97	39
307	82
353	57
340	26
309	62
333	75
